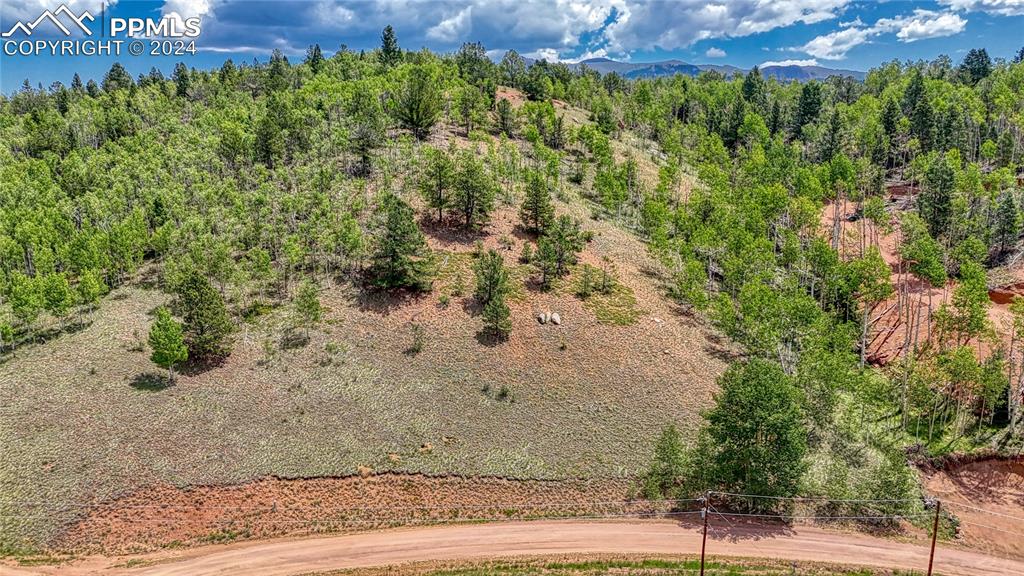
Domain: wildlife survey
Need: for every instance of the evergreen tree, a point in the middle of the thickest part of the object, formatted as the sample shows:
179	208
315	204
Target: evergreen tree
537	211
182	81
492	288
206	323
399	248
513	69
492	277
308	310
418	103
914	93
92	89
367	126
498	317
890	117
117	78
390	53
76	84
922	123
976	66
665	477
474	191
754	89
1019	57
315	59
935	201
505	118
437	180
470	104
558	248
1007	227
808	107
278	71
167	341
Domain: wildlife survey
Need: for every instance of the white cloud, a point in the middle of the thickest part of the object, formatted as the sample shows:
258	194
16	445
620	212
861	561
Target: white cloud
926	24
549	54
809	62
452	28
189	8
835	45
714	52
920	25
998	7
670	25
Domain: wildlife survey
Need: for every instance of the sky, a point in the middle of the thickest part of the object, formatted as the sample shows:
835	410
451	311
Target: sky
846	34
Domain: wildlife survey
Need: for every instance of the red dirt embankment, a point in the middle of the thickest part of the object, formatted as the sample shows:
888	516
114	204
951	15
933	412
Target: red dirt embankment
165	515
988	498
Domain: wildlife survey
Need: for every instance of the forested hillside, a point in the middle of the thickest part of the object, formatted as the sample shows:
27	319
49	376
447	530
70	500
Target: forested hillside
842	234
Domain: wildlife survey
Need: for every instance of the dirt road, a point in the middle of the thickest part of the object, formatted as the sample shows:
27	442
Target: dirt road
479	541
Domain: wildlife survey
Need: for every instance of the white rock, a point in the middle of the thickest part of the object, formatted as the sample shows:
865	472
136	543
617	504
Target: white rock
555	318
542	318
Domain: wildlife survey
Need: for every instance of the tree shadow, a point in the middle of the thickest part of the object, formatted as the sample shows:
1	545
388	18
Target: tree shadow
294	339
151	382
449	231
490	338
384	302
196	366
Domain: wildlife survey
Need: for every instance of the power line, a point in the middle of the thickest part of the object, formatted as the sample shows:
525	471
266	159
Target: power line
992	512
274	506
816	498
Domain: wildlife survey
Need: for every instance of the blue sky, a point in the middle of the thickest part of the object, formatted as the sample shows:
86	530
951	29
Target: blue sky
848	34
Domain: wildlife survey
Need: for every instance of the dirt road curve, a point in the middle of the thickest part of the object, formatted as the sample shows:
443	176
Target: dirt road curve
469	542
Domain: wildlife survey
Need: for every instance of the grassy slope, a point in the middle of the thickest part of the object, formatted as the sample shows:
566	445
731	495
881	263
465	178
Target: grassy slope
83	424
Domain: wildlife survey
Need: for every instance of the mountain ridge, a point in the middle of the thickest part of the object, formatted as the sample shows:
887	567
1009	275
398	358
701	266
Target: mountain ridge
674	66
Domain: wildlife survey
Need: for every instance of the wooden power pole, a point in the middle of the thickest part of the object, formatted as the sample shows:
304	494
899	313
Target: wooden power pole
704	535
935	534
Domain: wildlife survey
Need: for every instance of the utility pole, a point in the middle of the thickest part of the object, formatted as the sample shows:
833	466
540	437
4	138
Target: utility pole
935	534
704	536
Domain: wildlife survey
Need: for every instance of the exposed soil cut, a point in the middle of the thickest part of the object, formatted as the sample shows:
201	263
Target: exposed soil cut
988	498
162	516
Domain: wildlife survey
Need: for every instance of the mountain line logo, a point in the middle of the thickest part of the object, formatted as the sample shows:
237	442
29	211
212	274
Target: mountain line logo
63	10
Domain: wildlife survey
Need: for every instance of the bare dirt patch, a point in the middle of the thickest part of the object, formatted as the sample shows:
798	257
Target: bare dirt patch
988	498
167	516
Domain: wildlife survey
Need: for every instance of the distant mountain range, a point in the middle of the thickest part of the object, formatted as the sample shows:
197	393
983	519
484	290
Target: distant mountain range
672	67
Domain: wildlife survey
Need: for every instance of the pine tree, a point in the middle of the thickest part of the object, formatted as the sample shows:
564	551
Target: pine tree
278	71
315	59
922	123
513	69
308	310
754	89
418	103
492	277
475	190
1007	227
558	248
497	318
206	323
935	201
117	78
76	83
808	107
400	248
505	118
367	126
976	66
390	53
437	180
167	341
537	211
182	81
